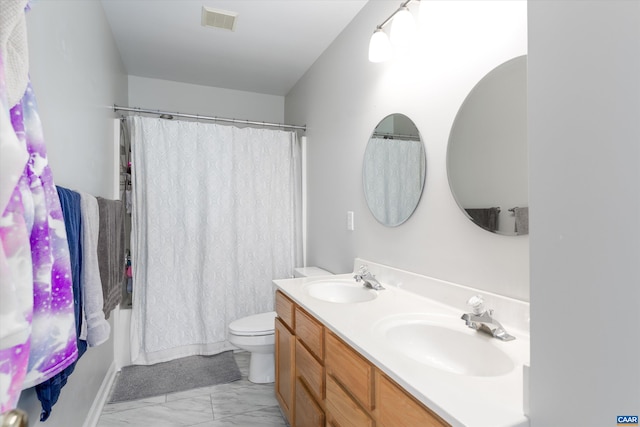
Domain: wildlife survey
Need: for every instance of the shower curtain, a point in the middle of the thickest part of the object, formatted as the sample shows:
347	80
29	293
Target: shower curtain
395	171
216	216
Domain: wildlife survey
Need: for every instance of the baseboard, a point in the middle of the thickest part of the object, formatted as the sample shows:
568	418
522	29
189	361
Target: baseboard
101	398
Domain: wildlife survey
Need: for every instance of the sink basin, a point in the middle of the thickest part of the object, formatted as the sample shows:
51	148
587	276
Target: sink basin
340	291
435	341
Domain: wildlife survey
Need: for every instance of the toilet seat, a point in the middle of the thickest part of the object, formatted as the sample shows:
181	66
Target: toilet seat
255	325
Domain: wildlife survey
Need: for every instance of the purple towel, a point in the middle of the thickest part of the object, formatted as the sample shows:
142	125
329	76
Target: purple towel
53	337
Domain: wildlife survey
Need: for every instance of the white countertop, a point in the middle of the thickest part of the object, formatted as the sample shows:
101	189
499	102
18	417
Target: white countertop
461	400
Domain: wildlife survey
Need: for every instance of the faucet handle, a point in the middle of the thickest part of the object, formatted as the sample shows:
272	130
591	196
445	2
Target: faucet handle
476	303
364	269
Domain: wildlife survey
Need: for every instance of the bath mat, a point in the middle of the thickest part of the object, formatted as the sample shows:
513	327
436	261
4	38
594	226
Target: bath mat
141	381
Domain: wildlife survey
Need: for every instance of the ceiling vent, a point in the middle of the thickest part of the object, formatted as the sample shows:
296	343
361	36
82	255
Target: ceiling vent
218	18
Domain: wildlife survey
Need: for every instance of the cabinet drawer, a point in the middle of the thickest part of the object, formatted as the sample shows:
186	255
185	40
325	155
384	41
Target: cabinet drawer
310	370
310	332
342	410
284	309
353	371
308	412
396	408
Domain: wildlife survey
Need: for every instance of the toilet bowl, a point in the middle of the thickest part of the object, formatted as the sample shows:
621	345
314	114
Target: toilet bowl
256	334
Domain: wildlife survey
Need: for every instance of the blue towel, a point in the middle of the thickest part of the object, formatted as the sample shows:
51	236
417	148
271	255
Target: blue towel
71	211
49	391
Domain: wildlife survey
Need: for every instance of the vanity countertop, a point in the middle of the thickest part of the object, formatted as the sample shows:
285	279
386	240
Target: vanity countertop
461	400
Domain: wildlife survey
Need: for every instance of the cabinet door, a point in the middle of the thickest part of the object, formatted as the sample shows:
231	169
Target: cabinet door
396	408
285	368
308	412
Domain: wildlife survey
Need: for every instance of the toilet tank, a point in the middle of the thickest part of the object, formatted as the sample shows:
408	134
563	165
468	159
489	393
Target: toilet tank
310	271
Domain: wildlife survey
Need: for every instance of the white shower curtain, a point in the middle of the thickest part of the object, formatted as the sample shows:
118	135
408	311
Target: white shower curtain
394	170
216	217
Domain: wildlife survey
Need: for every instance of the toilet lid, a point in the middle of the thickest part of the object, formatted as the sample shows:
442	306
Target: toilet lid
257	324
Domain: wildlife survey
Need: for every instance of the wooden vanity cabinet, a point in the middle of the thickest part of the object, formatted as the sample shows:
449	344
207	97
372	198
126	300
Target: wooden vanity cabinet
299	354
285	345
323	381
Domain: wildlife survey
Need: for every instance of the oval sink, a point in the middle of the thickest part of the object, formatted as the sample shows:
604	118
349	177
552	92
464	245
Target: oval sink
340	291
462	352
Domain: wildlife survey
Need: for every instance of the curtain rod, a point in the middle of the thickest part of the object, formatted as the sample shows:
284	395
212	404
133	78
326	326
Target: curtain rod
396	135
170	115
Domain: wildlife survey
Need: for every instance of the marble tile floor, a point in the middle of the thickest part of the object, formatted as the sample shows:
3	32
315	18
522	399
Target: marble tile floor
237	404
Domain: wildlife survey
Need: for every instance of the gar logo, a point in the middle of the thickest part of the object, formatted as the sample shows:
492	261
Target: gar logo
627	420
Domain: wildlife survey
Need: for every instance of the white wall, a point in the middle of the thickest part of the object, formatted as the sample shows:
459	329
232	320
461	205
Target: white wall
77	75
342	98
172	96
584	137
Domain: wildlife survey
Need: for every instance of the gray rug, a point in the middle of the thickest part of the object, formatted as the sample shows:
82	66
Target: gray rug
138	381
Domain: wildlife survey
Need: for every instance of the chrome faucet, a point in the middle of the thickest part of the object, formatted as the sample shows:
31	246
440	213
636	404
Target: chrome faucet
482	320
368	280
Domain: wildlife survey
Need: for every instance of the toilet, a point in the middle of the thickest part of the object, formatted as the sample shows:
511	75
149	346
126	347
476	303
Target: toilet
256	334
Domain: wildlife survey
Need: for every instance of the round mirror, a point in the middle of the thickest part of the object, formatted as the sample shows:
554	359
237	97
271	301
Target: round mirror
487	152
393	170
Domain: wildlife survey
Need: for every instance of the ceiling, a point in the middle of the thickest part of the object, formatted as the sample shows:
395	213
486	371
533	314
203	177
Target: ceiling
274	42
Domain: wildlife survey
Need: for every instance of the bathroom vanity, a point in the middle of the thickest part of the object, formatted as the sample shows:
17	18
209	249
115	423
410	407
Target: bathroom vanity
401	356
321	380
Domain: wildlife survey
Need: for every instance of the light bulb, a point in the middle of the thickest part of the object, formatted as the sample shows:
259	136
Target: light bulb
379	46
403	29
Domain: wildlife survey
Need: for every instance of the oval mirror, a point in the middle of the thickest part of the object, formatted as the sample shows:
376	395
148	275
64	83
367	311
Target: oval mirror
394	170
487	153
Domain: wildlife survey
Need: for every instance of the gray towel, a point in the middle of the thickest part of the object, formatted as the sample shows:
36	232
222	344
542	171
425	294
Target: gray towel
486	218
111	252
97	328
522	220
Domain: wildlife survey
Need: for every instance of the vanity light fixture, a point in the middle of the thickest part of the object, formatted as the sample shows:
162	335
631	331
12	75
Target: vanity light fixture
379	46
403	29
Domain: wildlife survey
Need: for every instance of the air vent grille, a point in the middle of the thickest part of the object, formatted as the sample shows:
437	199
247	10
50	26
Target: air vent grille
218	18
